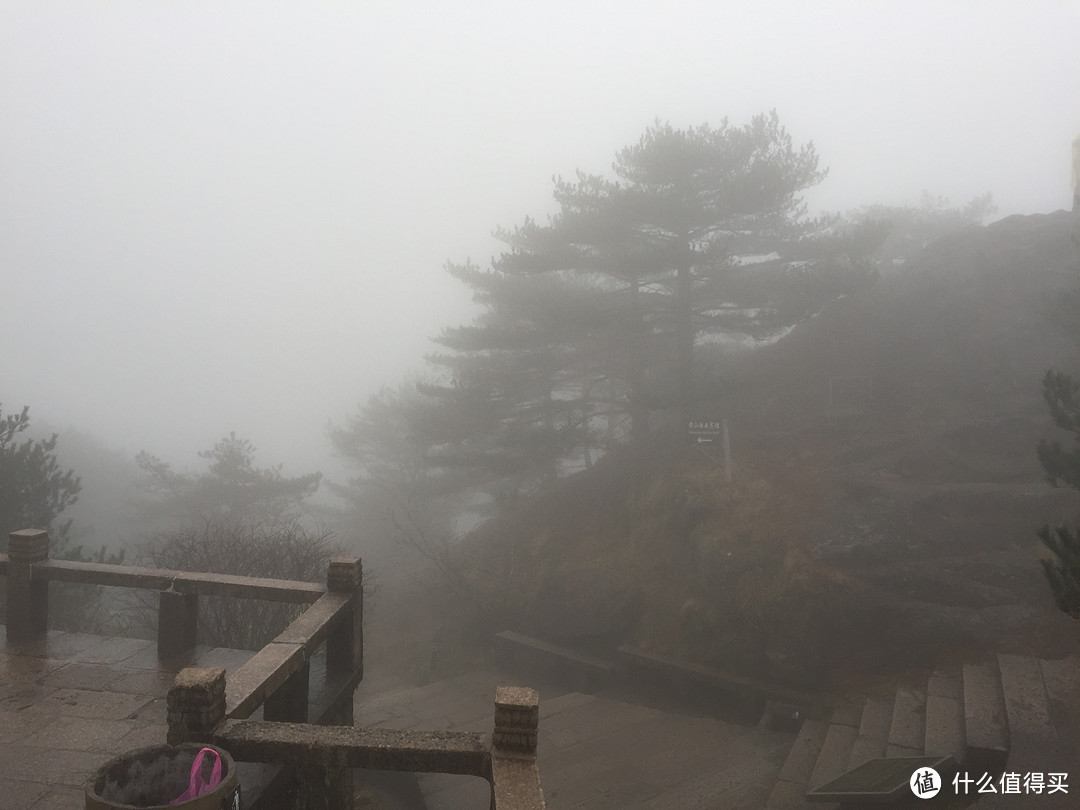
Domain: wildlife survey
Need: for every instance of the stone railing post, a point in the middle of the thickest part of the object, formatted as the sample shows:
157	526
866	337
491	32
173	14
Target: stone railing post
345	642
517	715
178	621
196	704
344	655
319	785
27	599
515	781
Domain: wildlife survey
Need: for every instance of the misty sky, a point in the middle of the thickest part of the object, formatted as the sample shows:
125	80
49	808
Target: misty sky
230	216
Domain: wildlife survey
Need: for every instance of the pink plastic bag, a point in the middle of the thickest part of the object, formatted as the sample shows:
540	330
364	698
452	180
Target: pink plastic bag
198	786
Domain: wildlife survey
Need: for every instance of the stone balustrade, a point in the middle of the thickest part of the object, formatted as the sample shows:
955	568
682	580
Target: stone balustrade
320	753
307	728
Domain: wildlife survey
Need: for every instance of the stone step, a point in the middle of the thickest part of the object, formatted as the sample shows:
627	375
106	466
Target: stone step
1037	746
792	783
1062	680
945	717
907	731
1027	705
835	751
986	727
873	732
978	718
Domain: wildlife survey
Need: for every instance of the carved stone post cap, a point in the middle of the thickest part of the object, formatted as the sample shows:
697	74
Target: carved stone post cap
198	686
518	697
345	574
196	704
517	715
28	545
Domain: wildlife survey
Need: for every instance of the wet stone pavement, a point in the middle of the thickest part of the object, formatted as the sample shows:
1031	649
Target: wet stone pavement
70	703
595	752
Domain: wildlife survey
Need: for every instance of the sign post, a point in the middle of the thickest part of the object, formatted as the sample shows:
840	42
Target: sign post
708	431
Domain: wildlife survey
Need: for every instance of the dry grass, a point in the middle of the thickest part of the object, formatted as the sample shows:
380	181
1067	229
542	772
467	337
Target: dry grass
664	552
738	588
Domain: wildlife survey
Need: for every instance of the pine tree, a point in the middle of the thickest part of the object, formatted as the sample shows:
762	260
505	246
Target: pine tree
701	233
591	323
528	365
1062	466
34	492
232	487
233	518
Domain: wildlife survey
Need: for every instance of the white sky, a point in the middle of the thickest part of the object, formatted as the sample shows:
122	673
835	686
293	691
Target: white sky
223	216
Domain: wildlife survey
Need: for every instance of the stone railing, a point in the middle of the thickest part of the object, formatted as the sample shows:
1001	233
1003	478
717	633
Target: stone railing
307	723
322	755
29	571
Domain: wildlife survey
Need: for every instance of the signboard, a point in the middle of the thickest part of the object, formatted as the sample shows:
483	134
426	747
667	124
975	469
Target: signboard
704	431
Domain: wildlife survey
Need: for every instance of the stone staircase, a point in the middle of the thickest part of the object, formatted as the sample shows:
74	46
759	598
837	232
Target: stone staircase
1017	710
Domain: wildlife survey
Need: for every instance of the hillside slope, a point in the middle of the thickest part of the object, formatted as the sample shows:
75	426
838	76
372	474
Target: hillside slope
879	532
936	487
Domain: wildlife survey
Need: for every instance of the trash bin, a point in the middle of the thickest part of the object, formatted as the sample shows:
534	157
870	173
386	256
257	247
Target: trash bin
152	778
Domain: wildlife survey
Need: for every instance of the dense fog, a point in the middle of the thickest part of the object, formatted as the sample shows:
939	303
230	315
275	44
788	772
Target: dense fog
705	366
236	219
247	246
